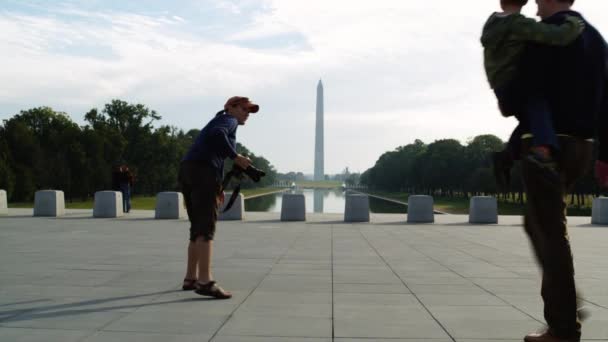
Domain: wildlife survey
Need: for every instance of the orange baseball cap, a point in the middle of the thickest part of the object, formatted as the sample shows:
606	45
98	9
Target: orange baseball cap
240	100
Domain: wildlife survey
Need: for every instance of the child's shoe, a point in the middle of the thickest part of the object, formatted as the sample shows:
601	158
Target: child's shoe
540	158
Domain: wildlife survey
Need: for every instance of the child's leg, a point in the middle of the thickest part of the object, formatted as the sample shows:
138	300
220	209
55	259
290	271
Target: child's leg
540	123
544	142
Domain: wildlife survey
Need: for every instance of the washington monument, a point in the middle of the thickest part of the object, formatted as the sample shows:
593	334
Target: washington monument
319	150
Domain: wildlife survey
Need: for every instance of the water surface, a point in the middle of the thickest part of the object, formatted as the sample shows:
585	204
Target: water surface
320	201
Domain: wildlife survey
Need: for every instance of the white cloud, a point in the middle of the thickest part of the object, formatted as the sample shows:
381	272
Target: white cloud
230	6
393	71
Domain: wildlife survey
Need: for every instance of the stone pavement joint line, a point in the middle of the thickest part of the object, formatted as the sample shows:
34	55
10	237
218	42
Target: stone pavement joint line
80	279
405	284
256	287
333	312
475	283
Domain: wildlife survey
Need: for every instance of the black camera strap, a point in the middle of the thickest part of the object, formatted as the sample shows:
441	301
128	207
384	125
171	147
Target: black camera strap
236	172
233	197
235	192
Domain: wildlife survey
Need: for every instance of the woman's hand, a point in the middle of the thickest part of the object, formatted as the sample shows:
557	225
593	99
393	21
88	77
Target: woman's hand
242	161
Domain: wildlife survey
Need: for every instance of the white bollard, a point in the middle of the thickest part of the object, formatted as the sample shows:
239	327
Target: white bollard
108	204
236	212
3	203
483	209
293	207
356	208
170	205
420	209
49	203
599	211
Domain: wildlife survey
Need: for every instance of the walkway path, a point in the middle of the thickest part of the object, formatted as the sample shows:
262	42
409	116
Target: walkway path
82	279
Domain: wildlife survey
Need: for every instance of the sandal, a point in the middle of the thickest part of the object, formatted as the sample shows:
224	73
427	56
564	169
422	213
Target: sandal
189	284
211	289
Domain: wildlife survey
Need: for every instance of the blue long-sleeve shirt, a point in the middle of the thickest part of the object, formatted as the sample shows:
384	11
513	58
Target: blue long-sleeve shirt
573	81
216	142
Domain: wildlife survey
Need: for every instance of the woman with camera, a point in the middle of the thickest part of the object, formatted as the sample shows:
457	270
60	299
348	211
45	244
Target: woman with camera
200	177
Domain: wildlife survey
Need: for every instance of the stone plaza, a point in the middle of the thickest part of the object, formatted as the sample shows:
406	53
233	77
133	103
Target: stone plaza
79	278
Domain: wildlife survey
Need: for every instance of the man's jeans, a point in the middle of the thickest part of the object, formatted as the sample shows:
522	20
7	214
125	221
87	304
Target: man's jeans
545	224
125	188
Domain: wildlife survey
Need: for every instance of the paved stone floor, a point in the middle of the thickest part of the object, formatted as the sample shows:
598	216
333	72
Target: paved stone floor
82	279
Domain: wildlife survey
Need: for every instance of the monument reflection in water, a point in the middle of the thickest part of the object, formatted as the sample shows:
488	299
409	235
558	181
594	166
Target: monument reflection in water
320	201
318	196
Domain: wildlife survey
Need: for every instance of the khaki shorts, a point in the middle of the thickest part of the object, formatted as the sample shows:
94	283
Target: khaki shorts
201	191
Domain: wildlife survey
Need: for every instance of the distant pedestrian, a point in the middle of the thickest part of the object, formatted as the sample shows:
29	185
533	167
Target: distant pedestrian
125	184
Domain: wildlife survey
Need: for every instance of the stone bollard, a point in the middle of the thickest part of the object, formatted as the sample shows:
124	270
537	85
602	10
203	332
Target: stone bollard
483	209
49	203
3	203
108	204
356	208
293	207
420	209
236	212
599	211
170	205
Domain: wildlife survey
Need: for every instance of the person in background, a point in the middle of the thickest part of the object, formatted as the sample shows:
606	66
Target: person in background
125	184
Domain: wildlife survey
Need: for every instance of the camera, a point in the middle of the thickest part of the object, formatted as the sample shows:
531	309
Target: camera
252	172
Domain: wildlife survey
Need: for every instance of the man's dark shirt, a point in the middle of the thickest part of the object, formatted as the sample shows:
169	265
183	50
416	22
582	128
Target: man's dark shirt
573	81
115	182
603	120
216	142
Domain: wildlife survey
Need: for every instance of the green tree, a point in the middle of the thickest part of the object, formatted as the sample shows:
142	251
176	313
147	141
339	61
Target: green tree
440	167
7	177
477	164
44	148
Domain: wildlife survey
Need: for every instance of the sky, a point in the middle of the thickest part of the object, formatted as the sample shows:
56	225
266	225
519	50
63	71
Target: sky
393	70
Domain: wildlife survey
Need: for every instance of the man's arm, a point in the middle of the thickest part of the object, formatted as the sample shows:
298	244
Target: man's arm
602	132
603	126
601	165
528	29
606	63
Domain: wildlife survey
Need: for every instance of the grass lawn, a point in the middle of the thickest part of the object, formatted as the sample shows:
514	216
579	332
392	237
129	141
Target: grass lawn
460	205
137	202
319	185
259	191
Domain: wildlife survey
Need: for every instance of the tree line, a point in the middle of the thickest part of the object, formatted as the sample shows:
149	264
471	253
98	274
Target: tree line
447	168
41	148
